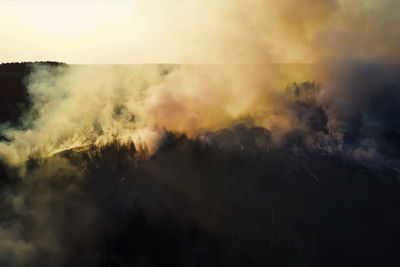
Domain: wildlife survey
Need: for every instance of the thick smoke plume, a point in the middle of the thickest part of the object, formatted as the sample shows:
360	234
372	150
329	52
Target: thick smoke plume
350	112
354	66
80	105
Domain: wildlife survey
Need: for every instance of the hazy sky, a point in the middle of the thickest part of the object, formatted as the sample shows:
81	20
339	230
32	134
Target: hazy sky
109	31
198	31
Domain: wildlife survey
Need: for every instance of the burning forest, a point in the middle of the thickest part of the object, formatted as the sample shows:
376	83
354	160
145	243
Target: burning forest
208	133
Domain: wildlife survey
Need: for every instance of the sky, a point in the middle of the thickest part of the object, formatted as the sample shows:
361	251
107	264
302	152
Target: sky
198	31
110	31
193	31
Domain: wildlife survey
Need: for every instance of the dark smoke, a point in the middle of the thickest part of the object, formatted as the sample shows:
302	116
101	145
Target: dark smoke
362	104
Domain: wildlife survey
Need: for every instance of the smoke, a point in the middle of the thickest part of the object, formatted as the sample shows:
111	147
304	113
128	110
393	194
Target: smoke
365	31
313	32
361	103
76	106
350	43
352	112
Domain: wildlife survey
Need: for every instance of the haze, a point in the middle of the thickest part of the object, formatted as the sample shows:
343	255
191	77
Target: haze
126	32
